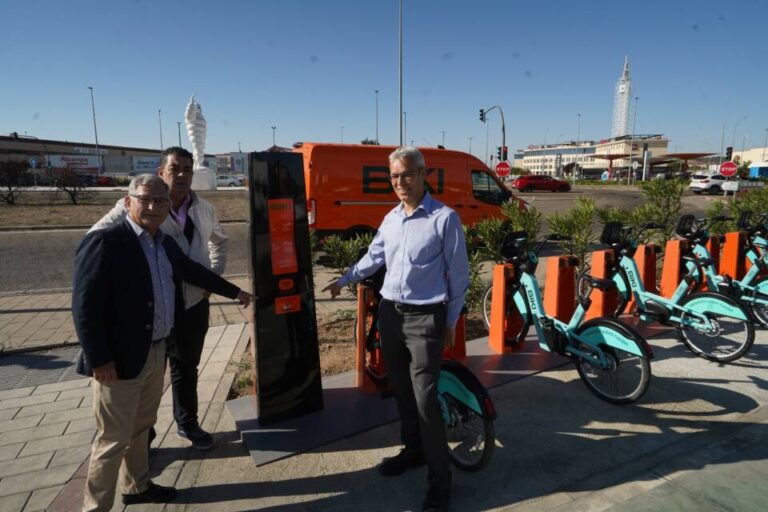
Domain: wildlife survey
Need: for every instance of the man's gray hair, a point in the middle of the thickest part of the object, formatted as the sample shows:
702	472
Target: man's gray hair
409	153
146	180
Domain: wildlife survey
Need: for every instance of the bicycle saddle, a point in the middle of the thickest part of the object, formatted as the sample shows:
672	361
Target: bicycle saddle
600	284
684	227
514	245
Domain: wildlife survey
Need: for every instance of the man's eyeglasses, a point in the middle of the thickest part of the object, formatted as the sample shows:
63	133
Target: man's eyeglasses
155	201
405	177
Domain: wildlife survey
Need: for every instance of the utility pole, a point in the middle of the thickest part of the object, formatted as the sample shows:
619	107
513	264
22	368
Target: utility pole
377	115
178	125
95	134
273	134
470	144
484	117
160	122
443	132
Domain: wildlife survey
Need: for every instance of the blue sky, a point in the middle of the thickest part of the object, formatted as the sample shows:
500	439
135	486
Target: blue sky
311	67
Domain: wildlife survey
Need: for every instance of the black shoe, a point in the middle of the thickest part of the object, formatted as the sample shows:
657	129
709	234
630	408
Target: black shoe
200	439
154	494
436	499
401	462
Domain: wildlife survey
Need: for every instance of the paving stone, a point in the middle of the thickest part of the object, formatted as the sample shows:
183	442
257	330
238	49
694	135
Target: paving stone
220	354
43	479
206	389
81	425
47	408
14	503
33	434
74	393
213	370
10	451
67	415
75	454
24	465
15	393
7	414
56	443
41	498
20	423
28	400
62	386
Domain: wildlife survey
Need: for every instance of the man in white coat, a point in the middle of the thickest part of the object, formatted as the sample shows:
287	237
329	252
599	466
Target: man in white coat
193	224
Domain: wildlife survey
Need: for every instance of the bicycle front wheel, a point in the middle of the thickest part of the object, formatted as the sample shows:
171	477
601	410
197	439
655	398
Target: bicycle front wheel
730	334
627	373
760	311
471	437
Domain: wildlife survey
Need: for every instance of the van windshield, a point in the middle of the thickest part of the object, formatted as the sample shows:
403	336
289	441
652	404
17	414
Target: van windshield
487	190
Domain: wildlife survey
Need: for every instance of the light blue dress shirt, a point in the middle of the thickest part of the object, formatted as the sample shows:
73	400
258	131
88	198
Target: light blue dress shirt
425	254
160	268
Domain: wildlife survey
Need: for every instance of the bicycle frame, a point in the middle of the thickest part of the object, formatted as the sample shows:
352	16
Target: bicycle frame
528	294
746	292
694	316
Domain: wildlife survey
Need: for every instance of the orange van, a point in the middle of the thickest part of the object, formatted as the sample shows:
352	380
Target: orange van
348	187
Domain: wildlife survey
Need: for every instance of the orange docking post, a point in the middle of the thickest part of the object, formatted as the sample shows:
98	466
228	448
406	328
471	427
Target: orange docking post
604	302
733	256
560	287
506	321
370	372
673	270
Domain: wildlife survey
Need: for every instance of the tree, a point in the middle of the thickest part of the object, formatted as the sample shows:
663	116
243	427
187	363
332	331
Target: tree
12	178
72	184
369	142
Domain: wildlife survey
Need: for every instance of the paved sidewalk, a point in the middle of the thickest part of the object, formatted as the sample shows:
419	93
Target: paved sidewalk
46	431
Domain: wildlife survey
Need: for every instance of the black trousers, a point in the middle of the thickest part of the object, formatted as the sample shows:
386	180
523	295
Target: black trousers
412	346
184	358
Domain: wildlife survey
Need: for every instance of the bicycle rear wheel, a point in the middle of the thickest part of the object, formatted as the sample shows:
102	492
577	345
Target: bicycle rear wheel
627	375
731	335
623	291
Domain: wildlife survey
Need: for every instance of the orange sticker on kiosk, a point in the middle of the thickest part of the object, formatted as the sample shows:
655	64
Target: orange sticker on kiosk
287	304
281	236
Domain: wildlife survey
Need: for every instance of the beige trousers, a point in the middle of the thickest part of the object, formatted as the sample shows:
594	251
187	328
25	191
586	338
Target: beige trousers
124	412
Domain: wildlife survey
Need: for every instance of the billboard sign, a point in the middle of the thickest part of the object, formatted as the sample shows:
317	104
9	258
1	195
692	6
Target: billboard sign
145	164
79	162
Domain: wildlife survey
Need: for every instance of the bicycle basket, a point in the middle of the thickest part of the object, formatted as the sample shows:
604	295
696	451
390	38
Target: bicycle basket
514	245
684	227
611	234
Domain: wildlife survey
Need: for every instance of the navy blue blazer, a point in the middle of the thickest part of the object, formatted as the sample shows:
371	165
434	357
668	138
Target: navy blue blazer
112	297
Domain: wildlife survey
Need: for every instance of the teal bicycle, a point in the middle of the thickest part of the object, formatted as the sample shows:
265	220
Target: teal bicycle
611	358
751	290
712	325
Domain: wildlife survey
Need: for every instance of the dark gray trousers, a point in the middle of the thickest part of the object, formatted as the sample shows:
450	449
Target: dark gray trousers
412	346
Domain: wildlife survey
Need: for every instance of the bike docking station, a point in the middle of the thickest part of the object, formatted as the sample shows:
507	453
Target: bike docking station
370	370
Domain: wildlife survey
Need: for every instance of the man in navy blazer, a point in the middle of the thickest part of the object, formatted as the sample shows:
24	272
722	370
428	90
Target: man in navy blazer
126	297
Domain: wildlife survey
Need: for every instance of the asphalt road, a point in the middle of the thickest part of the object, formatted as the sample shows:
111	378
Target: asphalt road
43	260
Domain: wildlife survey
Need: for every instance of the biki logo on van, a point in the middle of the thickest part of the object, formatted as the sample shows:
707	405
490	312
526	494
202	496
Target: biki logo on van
376	180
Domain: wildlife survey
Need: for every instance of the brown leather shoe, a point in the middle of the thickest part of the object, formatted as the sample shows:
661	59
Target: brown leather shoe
401	462
154	494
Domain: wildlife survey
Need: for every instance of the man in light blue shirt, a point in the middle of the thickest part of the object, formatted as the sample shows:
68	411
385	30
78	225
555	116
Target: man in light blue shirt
422	244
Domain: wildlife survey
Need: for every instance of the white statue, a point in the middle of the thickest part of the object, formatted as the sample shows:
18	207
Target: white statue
196	129
204	178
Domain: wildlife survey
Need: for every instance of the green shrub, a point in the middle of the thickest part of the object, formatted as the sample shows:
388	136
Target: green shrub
576	225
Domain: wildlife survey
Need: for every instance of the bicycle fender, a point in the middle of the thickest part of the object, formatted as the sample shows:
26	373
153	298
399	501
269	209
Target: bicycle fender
459	382
708	302
602	335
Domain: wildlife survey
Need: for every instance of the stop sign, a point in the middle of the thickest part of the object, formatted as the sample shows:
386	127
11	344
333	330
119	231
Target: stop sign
503	169
728	169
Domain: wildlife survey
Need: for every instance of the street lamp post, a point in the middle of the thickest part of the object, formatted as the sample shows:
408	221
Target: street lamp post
743	142
376	92
178	126
160	124
443	132
578	138
484	117
95	133
632	143
765	143
273	134
342	135
470	144
733	139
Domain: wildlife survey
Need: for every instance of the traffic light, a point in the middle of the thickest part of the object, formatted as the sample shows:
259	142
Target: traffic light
504	154
728	153
482	114
498	153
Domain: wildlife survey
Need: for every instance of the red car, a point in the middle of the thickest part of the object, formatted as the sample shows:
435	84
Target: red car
532	182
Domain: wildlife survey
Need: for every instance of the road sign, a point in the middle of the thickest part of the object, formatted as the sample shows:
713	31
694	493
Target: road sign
503	169
728	169
635	165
